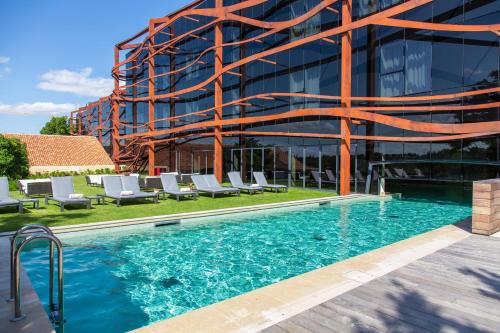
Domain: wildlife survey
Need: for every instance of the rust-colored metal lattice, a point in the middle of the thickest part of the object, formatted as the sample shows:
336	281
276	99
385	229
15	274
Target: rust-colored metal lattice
134	143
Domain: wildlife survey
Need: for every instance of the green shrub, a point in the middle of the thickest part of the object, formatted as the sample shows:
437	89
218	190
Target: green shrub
13	158
71	173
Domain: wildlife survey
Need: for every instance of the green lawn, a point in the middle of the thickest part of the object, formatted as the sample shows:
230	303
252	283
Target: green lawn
51	216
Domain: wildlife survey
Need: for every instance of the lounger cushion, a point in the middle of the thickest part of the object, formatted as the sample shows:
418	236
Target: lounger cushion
126	193
69	200
180	192
250	187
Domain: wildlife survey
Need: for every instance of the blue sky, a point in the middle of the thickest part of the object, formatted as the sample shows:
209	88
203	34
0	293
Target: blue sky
58	54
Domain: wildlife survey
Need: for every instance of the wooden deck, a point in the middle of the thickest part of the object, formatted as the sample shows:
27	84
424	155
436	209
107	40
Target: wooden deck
456	289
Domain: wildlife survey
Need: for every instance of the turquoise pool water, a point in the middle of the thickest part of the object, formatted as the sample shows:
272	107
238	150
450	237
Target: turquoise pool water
126	278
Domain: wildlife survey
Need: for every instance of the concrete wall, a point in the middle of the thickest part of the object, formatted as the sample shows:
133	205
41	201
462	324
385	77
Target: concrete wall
77	168
486	207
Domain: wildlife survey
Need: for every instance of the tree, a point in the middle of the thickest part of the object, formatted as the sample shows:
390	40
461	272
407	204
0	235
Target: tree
56	125
13	158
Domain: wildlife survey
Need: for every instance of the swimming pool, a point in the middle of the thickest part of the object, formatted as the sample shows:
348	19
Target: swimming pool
125	278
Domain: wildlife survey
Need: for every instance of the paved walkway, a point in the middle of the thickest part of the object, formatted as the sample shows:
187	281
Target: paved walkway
37	320
456	289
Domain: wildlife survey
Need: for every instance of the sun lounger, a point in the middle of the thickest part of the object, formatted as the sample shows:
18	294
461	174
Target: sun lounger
419	173
64	194
331	176
213	183
388	173
94	180
401	173
360	177
35	187
170	186
153	182
262	181
121	188
5	199
317	177
202	185
235	179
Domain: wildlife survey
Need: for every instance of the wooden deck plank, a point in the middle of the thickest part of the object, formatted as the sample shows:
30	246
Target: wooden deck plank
456	289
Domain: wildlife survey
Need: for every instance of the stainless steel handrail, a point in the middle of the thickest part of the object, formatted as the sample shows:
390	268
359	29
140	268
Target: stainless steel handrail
13	246
57	312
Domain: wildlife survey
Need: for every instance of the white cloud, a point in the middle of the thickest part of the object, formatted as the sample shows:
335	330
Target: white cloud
4	69
37	108
79	83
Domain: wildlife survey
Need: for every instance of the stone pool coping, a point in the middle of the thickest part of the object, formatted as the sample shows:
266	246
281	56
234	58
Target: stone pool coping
266	306
198	214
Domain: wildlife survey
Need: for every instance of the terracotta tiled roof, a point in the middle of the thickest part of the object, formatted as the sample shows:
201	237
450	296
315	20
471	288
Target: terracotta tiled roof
61	150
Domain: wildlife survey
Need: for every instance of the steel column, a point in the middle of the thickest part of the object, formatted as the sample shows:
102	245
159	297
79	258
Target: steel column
218	97
116	113
345	122
151	103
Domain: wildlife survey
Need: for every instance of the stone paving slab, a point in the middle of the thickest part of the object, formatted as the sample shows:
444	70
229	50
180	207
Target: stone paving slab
36	320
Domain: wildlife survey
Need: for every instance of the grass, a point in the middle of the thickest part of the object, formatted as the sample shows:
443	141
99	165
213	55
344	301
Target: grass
51	216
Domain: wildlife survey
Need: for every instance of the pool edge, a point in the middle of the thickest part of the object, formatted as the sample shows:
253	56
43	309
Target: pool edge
266	306
189	215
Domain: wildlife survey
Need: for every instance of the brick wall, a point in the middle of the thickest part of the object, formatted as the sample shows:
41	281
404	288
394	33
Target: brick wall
486	207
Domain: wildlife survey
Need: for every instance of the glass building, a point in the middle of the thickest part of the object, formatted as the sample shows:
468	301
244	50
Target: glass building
315	93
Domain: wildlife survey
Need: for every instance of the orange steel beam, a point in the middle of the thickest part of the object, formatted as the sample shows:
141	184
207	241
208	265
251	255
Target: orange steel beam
99	122
333	10
151	104
172	87
402	123
366	137
233	73
116	116
80	122
345	89
218	97
268	61
424	108
329	40
437	26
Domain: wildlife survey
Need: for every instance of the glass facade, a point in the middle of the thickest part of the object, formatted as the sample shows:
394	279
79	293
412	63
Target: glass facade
388	61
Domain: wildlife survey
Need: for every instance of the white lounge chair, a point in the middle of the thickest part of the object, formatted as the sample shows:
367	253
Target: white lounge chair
237	182
202	185
262	181
5	199
170	186
121	188
64	194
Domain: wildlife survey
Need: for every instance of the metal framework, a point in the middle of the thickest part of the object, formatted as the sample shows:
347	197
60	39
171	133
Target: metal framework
140	145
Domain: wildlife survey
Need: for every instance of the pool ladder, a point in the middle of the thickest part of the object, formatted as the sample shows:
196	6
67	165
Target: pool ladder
37	232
